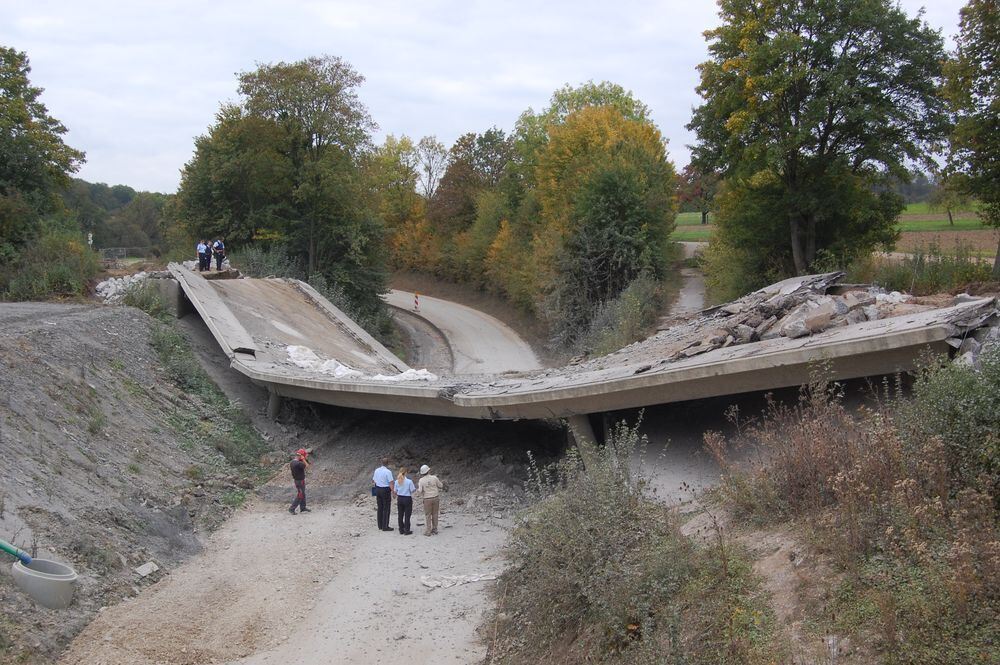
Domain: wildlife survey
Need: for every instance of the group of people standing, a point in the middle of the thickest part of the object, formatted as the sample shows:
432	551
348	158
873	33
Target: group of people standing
402	488
207	251
386	487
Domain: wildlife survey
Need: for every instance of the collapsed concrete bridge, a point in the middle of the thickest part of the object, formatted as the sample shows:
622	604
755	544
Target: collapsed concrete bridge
769	339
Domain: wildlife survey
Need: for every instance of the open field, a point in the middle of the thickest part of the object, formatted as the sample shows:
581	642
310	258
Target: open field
918	224
982	242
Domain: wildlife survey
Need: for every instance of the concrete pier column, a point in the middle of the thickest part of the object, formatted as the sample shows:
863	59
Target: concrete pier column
582	431
273	404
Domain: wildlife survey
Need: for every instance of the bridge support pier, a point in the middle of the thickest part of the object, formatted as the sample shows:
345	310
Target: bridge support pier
583	435
273	404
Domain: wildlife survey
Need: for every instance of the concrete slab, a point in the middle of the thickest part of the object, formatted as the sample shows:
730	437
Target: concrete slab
681	363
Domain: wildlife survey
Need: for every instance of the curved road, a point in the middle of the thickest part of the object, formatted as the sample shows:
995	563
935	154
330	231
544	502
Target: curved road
480	343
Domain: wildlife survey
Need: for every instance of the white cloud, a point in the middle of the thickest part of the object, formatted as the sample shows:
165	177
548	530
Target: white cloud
136	82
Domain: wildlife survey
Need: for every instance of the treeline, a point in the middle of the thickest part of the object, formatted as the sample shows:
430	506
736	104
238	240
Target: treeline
812	116
561	216
118	216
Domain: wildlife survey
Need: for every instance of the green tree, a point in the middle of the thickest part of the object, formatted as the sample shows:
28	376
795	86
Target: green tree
697	189
432	160
315	102
35	163
607	193
816	99
973	91
287	164
950	194
392	172
239	184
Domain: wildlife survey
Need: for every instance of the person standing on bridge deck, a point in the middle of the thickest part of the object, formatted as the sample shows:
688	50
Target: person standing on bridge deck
403	490
202	256
219	250
299	466
430	489
383	494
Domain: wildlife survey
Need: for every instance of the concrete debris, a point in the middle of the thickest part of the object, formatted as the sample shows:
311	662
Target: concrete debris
447	581
112	290
147	569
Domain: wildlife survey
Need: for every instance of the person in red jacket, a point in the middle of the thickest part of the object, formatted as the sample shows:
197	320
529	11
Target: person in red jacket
299	466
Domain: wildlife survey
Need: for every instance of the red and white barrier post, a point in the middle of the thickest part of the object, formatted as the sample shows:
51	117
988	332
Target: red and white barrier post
416	302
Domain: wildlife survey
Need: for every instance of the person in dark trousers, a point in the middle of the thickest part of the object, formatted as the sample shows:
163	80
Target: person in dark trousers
203	260
383	494
403	491
219	250
299	466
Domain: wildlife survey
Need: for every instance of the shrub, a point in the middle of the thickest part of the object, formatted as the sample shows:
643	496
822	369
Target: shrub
274	261
619	322
145	296
902	495
600	573
57	264
959	406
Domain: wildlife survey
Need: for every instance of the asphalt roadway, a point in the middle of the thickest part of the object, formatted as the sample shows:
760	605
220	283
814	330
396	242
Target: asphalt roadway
479	343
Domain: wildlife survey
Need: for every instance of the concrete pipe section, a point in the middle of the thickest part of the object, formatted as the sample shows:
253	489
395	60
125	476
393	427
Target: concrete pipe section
50	583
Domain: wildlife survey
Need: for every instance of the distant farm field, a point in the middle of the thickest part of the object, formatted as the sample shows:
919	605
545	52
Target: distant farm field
920	226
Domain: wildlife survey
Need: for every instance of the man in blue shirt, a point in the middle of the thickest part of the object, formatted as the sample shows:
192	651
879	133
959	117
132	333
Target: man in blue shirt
383	493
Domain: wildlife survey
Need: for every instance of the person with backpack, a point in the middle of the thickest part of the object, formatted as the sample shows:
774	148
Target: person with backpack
299	466
219	250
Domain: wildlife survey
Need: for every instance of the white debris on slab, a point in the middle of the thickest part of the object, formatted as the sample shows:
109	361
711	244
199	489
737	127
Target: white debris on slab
408	375
306	358
112	290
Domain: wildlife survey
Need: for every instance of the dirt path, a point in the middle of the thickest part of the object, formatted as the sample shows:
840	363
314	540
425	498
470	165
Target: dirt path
480	343
316	588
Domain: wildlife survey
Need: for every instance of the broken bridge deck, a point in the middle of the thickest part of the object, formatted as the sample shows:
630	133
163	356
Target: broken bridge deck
255	320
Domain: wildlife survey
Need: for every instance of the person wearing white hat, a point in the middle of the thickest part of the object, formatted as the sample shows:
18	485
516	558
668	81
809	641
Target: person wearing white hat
430	487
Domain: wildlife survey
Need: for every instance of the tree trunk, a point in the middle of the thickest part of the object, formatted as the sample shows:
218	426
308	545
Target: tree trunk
996	264
951	221
798	255
704	217
810	242
311	261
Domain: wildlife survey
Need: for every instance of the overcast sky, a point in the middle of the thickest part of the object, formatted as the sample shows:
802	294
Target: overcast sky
136	81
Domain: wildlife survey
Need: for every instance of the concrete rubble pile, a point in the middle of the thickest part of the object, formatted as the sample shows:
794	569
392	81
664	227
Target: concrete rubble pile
795	308
113	290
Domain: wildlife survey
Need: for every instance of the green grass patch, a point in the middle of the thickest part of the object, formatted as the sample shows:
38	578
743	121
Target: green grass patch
961	224
234	498
691	234
212	420
691	219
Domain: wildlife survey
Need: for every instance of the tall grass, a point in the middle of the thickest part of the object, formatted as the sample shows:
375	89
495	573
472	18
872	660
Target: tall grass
622	320
212	421
901	495
925	271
